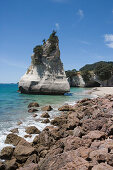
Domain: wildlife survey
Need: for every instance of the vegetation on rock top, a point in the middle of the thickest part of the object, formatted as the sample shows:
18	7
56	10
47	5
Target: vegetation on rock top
102	69
71	73
53	39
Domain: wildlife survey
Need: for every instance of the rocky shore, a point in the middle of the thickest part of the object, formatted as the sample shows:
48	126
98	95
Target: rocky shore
81	138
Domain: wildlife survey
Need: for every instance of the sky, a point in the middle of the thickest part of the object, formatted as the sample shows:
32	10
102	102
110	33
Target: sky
84	28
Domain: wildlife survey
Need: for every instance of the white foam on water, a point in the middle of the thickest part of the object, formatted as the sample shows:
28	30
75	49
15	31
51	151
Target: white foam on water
30	121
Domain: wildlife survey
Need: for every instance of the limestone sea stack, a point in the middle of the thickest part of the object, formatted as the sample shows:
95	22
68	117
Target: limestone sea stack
46	74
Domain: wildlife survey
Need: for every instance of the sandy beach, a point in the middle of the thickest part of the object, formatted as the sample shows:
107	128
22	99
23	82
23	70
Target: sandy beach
101	91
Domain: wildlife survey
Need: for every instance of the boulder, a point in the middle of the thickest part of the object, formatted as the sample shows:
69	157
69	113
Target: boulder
72	143
46	108
45	74
95	135
22	152
24	143
46	121
12	139
19	122
33	104
2	166
58	121
32	130
32	110
98	156
83	152
30	166
45	115
65	160
7	152
95	124
34	115
32	159
15	130
110	130
11	164
46	139
73	121
78	132
102	166
66	108
27	136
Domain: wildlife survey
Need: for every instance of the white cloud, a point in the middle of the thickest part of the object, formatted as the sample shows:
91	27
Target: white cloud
109	40
57	26
80	13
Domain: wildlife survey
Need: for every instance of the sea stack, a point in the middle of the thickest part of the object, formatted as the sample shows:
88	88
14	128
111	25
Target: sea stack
46	74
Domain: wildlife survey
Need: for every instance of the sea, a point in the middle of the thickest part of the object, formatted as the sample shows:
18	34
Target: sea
14	108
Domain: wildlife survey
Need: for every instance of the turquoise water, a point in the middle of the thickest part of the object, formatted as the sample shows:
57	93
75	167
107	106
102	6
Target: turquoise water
13	107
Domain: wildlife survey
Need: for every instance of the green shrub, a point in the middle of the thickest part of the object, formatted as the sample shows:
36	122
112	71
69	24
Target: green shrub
91	67
104	71
38	50
86	75
53	39
71	73
44	41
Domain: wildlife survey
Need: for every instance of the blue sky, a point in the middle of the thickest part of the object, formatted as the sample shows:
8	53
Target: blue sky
84	27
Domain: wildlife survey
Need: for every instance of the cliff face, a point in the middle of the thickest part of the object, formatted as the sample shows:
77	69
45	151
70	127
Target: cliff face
94	81
76	81
45	74
105	83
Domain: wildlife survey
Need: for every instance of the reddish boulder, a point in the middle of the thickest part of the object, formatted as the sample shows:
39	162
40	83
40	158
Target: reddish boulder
24	143
2	166
11	164
99	155
22	152
45	115
34	115
102	166
46	121
110	130
59	121
33	104
30	166
46	108
32	110
44	139
27	136
32	130
78	132
12	139
32	159
66	108
95	135
65	160
83	152
19	122
72	143
15	130
73	121
7	152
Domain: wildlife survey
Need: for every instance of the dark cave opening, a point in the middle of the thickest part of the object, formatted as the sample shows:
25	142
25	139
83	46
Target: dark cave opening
93	84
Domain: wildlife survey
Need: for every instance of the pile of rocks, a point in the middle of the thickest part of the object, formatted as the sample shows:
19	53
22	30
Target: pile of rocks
81	138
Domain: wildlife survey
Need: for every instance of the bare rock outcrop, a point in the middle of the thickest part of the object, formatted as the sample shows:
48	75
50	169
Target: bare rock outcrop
45	74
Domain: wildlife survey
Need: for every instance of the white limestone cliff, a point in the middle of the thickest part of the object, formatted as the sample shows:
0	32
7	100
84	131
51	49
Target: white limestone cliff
45	74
